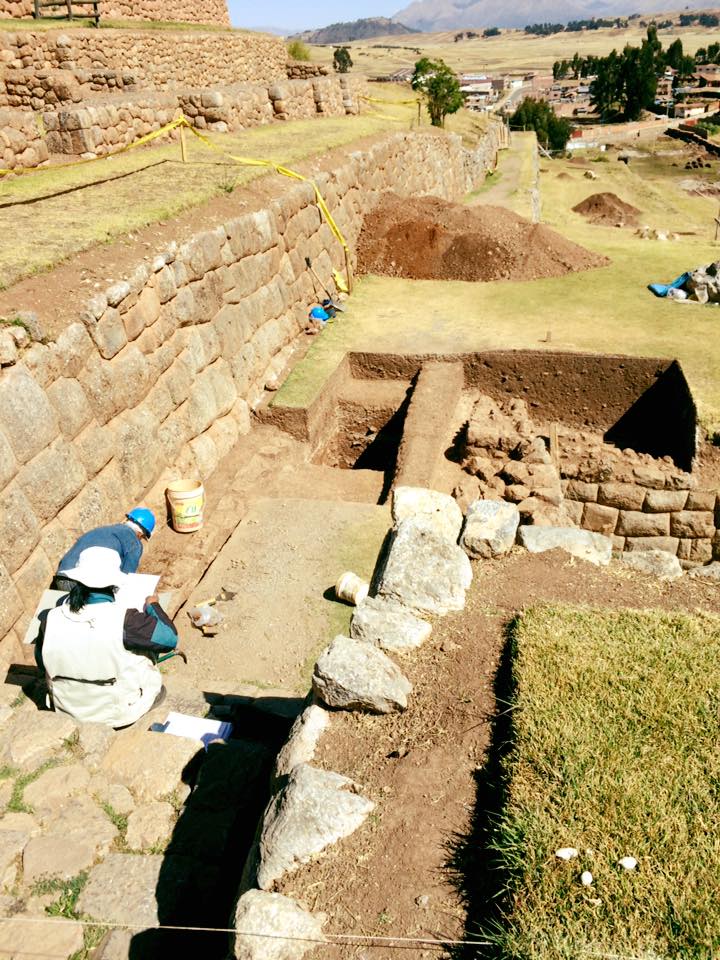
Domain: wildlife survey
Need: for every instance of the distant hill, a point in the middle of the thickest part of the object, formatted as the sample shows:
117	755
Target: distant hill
355	30
435	15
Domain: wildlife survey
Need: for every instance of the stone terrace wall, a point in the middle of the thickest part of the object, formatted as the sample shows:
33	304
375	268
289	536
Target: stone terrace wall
158	378
650	515
186	11
162	60
21	141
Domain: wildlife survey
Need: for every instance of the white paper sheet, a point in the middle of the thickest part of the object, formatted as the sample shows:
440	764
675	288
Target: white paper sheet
194	728
136	589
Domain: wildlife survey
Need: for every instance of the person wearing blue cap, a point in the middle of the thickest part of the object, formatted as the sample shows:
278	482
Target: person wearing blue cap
126	539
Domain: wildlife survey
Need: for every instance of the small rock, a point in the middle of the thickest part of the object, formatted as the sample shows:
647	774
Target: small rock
353	675
12	844
261	917
8	349
566	853
423	900
656	562
149	825
388	624
316	809
490	528
627	863
439	510
117	293
32	323
586	878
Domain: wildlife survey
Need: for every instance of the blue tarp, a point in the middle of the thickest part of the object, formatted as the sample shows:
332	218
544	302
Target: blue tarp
662	289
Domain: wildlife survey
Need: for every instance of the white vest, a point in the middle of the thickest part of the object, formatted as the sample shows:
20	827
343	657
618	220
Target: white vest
119	686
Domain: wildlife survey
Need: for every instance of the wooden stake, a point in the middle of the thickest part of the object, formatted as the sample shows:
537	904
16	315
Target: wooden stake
183	148
348	270
554	447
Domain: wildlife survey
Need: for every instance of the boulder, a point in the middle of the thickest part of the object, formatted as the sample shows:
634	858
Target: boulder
711	571
657	562
314	810
490	528
386	623
593	547
303	740
150	765
424	570
439	509
353	675
262	918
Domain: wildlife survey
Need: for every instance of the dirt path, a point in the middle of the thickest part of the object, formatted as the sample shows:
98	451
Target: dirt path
417	868
507	179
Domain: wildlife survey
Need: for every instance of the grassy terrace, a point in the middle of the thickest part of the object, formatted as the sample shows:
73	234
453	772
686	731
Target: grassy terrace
607	310
79	23
83	206
615	726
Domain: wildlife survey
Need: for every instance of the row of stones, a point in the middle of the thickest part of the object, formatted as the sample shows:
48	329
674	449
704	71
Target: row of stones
197	11
98	129
161	60
159	377
425	572
681	522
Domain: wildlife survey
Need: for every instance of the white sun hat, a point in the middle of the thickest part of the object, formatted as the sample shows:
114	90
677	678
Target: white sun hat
97	567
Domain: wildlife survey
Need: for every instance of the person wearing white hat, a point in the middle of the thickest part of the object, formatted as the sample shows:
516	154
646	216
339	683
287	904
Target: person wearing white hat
98	656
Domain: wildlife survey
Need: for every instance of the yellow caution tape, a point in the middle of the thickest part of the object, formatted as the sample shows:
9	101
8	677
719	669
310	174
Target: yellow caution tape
396	103
243	161
283	171
24	171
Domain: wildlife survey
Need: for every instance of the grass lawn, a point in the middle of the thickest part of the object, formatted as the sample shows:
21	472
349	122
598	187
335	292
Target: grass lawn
615	721
98	202
79	23
606	310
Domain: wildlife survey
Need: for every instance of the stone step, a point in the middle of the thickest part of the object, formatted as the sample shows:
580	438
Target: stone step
429	426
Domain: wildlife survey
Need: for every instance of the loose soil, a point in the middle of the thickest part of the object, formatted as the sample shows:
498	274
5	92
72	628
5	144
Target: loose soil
608	209
414	869
427	238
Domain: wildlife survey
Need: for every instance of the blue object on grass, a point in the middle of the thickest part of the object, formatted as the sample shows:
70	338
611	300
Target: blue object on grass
317	313
661	289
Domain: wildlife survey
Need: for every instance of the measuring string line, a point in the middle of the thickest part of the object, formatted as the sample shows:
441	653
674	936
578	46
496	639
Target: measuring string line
331	939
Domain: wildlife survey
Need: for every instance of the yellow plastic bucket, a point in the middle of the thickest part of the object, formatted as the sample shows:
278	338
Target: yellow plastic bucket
186	499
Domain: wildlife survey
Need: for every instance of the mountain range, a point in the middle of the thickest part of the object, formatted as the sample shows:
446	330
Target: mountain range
356	30
436	15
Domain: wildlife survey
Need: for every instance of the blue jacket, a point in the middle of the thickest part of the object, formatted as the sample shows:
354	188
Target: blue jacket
118	537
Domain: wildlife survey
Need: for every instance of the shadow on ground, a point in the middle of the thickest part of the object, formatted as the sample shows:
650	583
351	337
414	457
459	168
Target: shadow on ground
203	862
477	872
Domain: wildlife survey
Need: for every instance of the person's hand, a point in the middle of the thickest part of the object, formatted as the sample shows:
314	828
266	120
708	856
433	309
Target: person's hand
152	599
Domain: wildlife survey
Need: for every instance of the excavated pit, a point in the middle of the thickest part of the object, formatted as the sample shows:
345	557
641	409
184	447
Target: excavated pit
426	238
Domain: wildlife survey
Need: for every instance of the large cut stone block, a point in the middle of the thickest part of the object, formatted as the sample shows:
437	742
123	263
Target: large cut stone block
633	523
263	919
151	765
123	889
690	523
353	675
314	810
579	543
26	416
424	570
440	510
388	624
659	563
490	528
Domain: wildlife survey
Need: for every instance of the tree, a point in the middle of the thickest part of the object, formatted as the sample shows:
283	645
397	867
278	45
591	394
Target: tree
342	61
438	84
491	32
553	132
297	50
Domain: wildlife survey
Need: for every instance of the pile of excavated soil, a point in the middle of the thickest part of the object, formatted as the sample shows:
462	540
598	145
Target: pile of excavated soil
608	208
426	238
563	176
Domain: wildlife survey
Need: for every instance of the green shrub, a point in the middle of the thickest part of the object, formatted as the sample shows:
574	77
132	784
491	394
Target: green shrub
297	50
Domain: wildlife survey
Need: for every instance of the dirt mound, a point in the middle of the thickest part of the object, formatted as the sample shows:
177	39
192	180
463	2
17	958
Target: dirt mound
608	208
563	176
426	238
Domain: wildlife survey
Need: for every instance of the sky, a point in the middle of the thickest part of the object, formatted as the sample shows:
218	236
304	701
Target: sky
299	16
